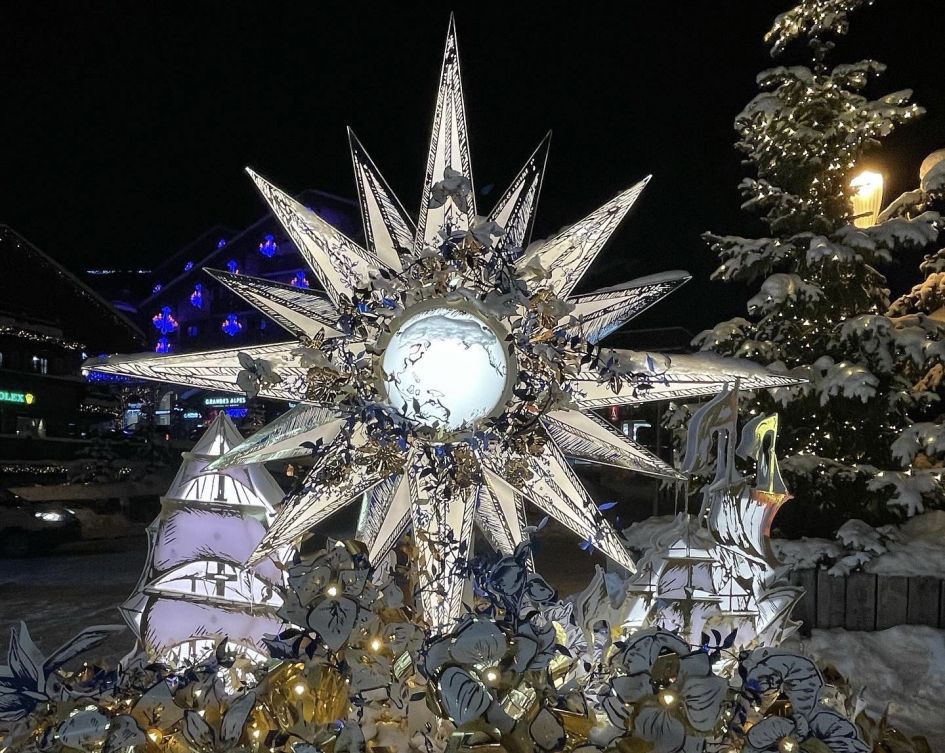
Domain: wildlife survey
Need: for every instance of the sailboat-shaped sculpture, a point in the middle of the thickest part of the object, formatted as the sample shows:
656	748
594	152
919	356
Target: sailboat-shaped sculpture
717	572
195	589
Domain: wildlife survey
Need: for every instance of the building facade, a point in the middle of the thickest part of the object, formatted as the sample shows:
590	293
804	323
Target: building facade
46	331
183	309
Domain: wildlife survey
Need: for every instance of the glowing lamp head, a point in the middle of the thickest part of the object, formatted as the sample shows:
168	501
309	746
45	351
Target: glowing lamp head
867	198
788	745
332	590
445	368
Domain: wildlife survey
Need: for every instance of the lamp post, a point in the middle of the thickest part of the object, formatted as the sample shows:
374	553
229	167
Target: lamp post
867	198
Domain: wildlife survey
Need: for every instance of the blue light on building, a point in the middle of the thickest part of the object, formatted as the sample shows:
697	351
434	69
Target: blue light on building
164	322
156	288
221	243
236	412
233	266
300	280
163	345
231	325
196	298
98	376
268	247
188	266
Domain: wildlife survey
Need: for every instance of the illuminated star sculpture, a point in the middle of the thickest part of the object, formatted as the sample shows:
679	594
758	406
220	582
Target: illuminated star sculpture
448	368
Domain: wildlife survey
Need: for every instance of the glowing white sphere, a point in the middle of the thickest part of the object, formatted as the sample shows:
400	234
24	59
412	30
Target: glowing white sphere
445	368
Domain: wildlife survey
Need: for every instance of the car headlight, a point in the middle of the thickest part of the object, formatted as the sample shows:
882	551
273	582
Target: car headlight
50	517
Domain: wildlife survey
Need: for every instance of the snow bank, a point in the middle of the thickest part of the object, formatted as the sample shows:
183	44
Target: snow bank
806	553
917	547
921	551
903	667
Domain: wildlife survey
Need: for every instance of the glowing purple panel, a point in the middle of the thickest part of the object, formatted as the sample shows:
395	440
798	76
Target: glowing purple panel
191	534
166	623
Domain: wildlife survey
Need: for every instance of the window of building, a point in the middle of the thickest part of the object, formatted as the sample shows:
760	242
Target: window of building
30	427
40	364
638	430
193	330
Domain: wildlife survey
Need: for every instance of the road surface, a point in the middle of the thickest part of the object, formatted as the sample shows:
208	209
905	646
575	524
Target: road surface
73	587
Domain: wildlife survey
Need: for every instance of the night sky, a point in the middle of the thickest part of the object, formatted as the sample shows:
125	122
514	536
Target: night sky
126	126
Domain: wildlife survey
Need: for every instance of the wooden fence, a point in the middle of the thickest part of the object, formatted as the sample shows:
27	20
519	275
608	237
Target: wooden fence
864	601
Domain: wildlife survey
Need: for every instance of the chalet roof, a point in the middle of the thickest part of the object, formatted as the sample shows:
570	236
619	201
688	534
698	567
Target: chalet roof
35	288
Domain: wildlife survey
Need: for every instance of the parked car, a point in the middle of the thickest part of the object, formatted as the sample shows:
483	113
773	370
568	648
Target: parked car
26	528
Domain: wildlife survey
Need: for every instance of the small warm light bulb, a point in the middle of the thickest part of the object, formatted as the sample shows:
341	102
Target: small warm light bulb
787	745
492	675
155	735
256	734
376	644
668	697
332	590
299	688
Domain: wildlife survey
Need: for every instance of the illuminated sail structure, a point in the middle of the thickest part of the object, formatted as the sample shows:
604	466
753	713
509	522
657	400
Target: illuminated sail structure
196	588
717	571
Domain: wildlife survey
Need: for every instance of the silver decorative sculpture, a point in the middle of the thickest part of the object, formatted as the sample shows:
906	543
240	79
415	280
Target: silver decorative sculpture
392	425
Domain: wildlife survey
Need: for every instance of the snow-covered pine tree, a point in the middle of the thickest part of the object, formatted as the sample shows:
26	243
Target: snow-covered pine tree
820	311
921	447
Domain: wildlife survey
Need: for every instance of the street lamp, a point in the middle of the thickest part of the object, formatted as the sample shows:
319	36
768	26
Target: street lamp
867	198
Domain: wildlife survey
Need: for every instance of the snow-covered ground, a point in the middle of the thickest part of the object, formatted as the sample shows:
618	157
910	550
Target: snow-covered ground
902	669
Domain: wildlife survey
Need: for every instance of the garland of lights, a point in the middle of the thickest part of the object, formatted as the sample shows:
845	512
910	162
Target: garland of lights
39	337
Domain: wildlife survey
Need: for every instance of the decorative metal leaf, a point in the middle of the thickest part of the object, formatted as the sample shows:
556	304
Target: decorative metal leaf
84	731
773	671
236	716
84	641
660	728
197	732
547	731
333	620
464	698
480	642
23	658
840	735
124	733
